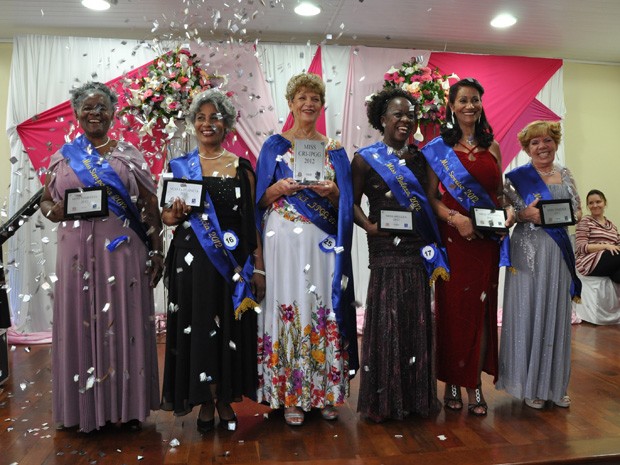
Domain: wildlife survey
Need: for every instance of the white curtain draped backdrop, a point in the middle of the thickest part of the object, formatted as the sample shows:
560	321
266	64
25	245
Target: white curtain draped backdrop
44	69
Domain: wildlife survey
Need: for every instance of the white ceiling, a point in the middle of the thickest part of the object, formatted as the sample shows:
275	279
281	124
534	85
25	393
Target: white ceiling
583	30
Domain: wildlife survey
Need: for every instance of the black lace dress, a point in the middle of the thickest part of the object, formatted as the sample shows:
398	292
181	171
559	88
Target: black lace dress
204	343
397	366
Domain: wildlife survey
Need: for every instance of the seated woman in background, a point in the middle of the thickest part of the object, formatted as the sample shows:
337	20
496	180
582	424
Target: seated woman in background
597	242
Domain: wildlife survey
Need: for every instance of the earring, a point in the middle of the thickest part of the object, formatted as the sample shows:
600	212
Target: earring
383	124
452	116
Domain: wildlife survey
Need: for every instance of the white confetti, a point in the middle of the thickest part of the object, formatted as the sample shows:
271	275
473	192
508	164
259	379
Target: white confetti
188	330
483	296
175	443
441	437
189	258
76	378
232	345
270	233
338	249
23	386
311	289
398	436
258	310
76	224
111	279
213	333
306	268
298	230
396	241
106	307
344	282
411	360
26	297
45	240
236	277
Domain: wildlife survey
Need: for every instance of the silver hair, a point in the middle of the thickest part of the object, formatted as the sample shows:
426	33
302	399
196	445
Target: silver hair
79	94
220	101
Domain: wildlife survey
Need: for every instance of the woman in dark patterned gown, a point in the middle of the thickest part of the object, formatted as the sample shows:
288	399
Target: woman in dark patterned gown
397	376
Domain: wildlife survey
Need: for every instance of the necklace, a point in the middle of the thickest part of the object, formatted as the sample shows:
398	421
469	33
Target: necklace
104	144
470	140
211	158
546	173
400	152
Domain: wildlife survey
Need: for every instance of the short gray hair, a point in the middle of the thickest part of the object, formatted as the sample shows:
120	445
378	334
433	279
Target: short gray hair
220	101
79	94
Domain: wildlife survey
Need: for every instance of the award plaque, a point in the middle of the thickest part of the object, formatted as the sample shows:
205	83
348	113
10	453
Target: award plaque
86	202
396	221
309	161
492	219
191	192
556	212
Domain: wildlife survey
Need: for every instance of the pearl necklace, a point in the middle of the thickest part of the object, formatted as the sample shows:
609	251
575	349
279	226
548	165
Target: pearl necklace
211	158
104	144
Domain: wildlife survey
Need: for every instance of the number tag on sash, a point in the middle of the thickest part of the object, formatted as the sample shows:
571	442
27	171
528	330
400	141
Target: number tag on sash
428	253
231	241
328	244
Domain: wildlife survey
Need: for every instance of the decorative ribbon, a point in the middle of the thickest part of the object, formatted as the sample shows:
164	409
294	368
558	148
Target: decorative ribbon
530	186
461	185
94	171
207	229
410	196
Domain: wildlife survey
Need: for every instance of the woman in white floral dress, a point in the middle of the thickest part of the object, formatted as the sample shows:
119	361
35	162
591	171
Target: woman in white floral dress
306	335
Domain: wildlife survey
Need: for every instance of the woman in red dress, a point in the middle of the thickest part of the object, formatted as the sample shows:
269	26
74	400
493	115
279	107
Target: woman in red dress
466	306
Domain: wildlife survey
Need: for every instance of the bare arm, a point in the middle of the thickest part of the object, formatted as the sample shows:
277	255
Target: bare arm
258	283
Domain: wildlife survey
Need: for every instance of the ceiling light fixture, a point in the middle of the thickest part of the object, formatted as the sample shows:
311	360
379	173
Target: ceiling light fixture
503	20
307	9
98	5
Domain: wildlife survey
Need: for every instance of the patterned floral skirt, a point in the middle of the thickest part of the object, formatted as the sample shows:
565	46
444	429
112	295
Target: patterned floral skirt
301	360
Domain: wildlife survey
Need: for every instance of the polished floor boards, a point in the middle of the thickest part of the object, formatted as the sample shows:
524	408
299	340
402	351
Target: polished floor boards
587	432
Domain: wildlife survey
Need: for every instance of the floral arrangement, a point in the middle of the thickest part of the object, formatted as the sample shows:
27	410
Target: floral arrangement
164	95
428	86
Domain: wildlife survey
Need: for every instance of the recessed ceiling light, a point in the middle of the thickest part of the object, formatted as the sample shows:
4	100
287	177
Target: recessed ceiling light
307	9
503	20
98	5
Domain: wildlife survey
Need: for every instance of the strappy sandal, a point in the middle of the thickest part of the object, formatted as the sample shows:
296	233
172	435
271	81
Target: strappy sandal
564	402
454	401
537	404
329	413
479	404
294	416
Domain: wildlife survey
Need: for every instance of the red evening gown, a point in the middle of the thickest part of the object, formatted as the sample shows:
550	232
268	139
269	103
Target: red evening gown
463	303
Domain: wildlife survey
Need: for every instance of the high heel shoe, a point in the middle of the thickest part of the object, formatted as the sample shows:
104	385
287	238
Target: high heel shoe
479	404
452	399
227	424
204	426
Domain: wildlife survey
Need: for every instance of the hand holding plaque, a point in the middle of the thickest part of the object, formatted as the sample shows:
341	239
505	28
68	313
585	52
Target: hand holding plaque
86	202
309	161
556	212
492	219
191	192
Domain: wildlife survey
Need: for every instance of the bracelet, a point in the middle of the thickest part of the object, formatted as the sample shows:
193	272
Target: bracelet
257	271
152	253
451	213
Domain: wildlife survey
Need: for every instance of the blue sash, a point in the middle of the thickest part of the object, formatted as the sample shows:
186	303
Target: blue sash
210	235
461	185
94	171
410	196
270	168
530	186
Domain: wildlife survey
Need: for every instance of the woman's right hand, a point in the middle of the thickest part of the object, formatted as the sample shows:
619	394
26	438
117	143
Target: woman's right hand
465	227
287	186
56	212
372	229
613	249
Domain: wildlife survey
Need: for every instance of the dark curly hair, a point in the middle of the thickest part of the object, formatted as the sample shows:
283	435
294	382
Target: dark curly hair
451	132
377	106
79	94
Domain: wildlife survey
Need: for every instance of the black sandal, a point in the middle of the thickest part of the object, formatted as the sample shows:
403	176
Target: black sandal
471	408
454	401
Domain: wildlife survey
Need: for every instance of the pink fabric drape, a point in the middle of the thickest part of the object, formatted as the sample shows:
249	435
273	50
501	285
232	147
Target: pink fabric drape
316	67
510	84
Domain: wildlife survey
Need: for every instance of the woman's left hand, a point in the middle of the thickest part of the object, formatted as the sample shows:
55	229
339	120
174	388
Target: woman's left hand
325	188
155	269
257	283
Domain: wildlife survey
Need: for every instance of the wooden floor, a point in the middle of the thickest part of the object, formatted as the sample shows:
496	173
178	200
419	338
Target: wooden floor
588	432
